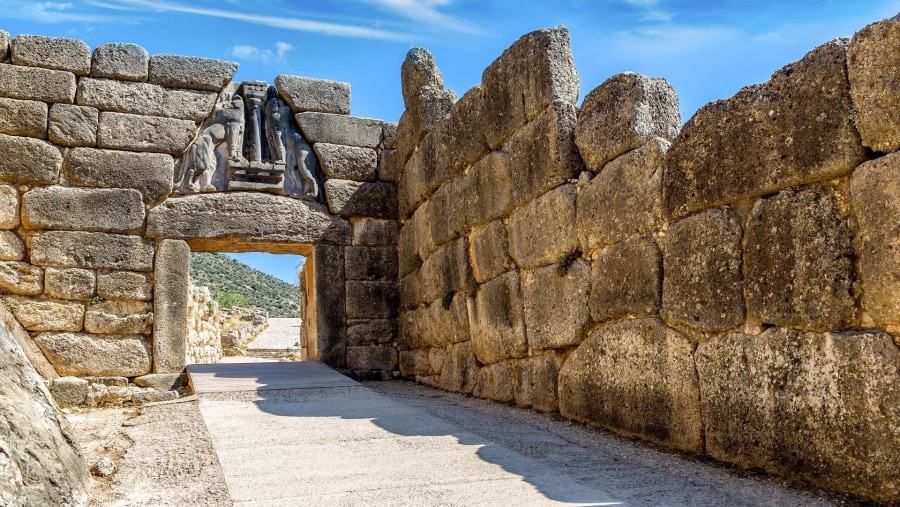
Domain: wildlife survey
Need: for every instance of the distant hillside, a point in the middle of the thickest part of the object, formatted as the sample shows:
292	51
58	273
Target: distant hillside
236	284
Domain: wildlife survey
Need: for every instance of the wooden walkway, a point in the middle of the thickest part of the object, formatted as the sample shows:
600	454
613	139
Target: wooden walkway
264	376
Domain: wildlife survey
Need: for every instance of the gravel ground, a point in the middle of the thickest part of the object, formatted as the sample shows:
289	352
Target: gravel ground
281	334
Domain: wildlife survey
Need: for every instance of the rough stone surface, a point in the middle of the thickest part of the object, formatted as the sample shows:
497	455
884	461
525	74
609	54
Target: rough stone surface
339	129
556	305
81	354
373	357
415	243
543	231
23	118
535	71
121	131
72	125
875	195
626	279
389	166
245	218
796	128
372	300
37	84
331	309
9	206
494	382
636	377
119	317
347	162
128	62
46	314
622	114
191	72
92	250
4	44
418	71
702	287
798	262
68	391
124	285
58	53
873	55
460	370
824	407
465	131
151	173
389	135
21	278
415	362
375	232
77	284
170	306
144	99
537	383
436	325
11	247
497	321
83	209
444	272
369	263
356	198
28	161
624	201
372	332
490	251
162	381
317	95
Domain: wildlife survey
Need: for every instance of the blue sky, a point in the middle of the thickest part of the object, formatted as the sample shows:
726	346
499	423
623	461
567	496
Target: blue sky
707	49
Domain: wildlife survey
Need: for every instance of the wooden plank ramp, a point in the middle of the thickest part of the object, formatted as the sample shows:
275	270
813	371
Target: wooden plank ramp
264	376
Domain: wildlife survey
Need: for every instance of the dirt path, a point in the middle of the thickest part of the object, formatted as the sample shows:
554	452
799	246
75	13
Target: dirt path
281	334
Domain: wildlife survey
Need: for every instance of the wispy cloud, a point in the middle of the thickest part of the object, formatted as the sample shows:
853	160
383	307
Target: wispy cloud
651	10
426	11
49	12
673	39
264	56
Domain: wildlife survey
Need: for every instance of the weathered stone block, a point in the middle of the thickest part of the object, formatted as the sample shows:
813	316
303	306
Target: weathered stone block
496	320
171	306
145	99
624	201
449	211
58	53
535	71
46	314
446	271
151	173
490	251
702	287
415	242
23	118
4	44
875	195
432	108
375	232
389	135
9	206
83	209
11	247
418	71
78	284
68	391
162	381
389	166
408	138
556	305
119	317
121	131
54	86
796	128
439	324
356	198
372	357
21	278
318	95
543	231
81	354
372	300
191	72
636	377
874	51
626	279
210	221
824	407
465	131
370	263
798	262
72	125
128	62
424	172
28	161
331	306
460	369
536	383
340	129
93	250
494	382
124	285
372	332
347	162
415	362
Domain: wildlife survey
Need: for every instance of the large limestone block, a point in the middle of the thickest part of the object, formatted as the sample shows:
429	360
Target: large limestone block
375	232
318	95
622	114
83	209
872	63
162	381
4	44
497	321
494	382
556	305
415	362
127	62
543	231
69	391
446	271
702	287
9	206
389	135
28	161
331	308
23	118
799	262
151	173
490	251
121	131
389	165
358	198
426	170
372	332
191	72
535	71
58	53
92	250
54	86
796	128
340	129
11	247
208	221
77	284
432	108
72	125
371	263
372	357
460	370
46	314
144	99
465	131
119	317
414	241
124	285
372	300
626	279
537	379
18	277
450	210
418	71
81	354
171	305
636	377
439	324
347	162
624	201
824	407
875	195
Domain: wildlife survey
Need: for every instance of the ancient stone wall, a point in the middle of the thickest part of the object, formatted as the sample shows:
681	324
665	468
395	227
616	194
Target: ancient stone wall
204	340
727	287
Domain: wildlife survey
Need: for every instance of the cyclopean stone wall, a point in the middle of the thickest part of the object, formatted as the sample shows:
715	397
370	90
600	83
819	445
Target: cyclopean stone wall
727	287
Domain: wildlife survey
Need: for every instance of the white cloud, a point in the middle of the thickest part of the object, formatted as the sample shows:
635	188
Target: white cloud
655	15
425	11
264	56
48	12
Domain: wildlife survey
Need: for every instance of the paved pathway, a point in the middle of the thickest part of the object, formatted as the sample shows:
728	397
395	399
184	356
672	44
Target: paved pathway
281	334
